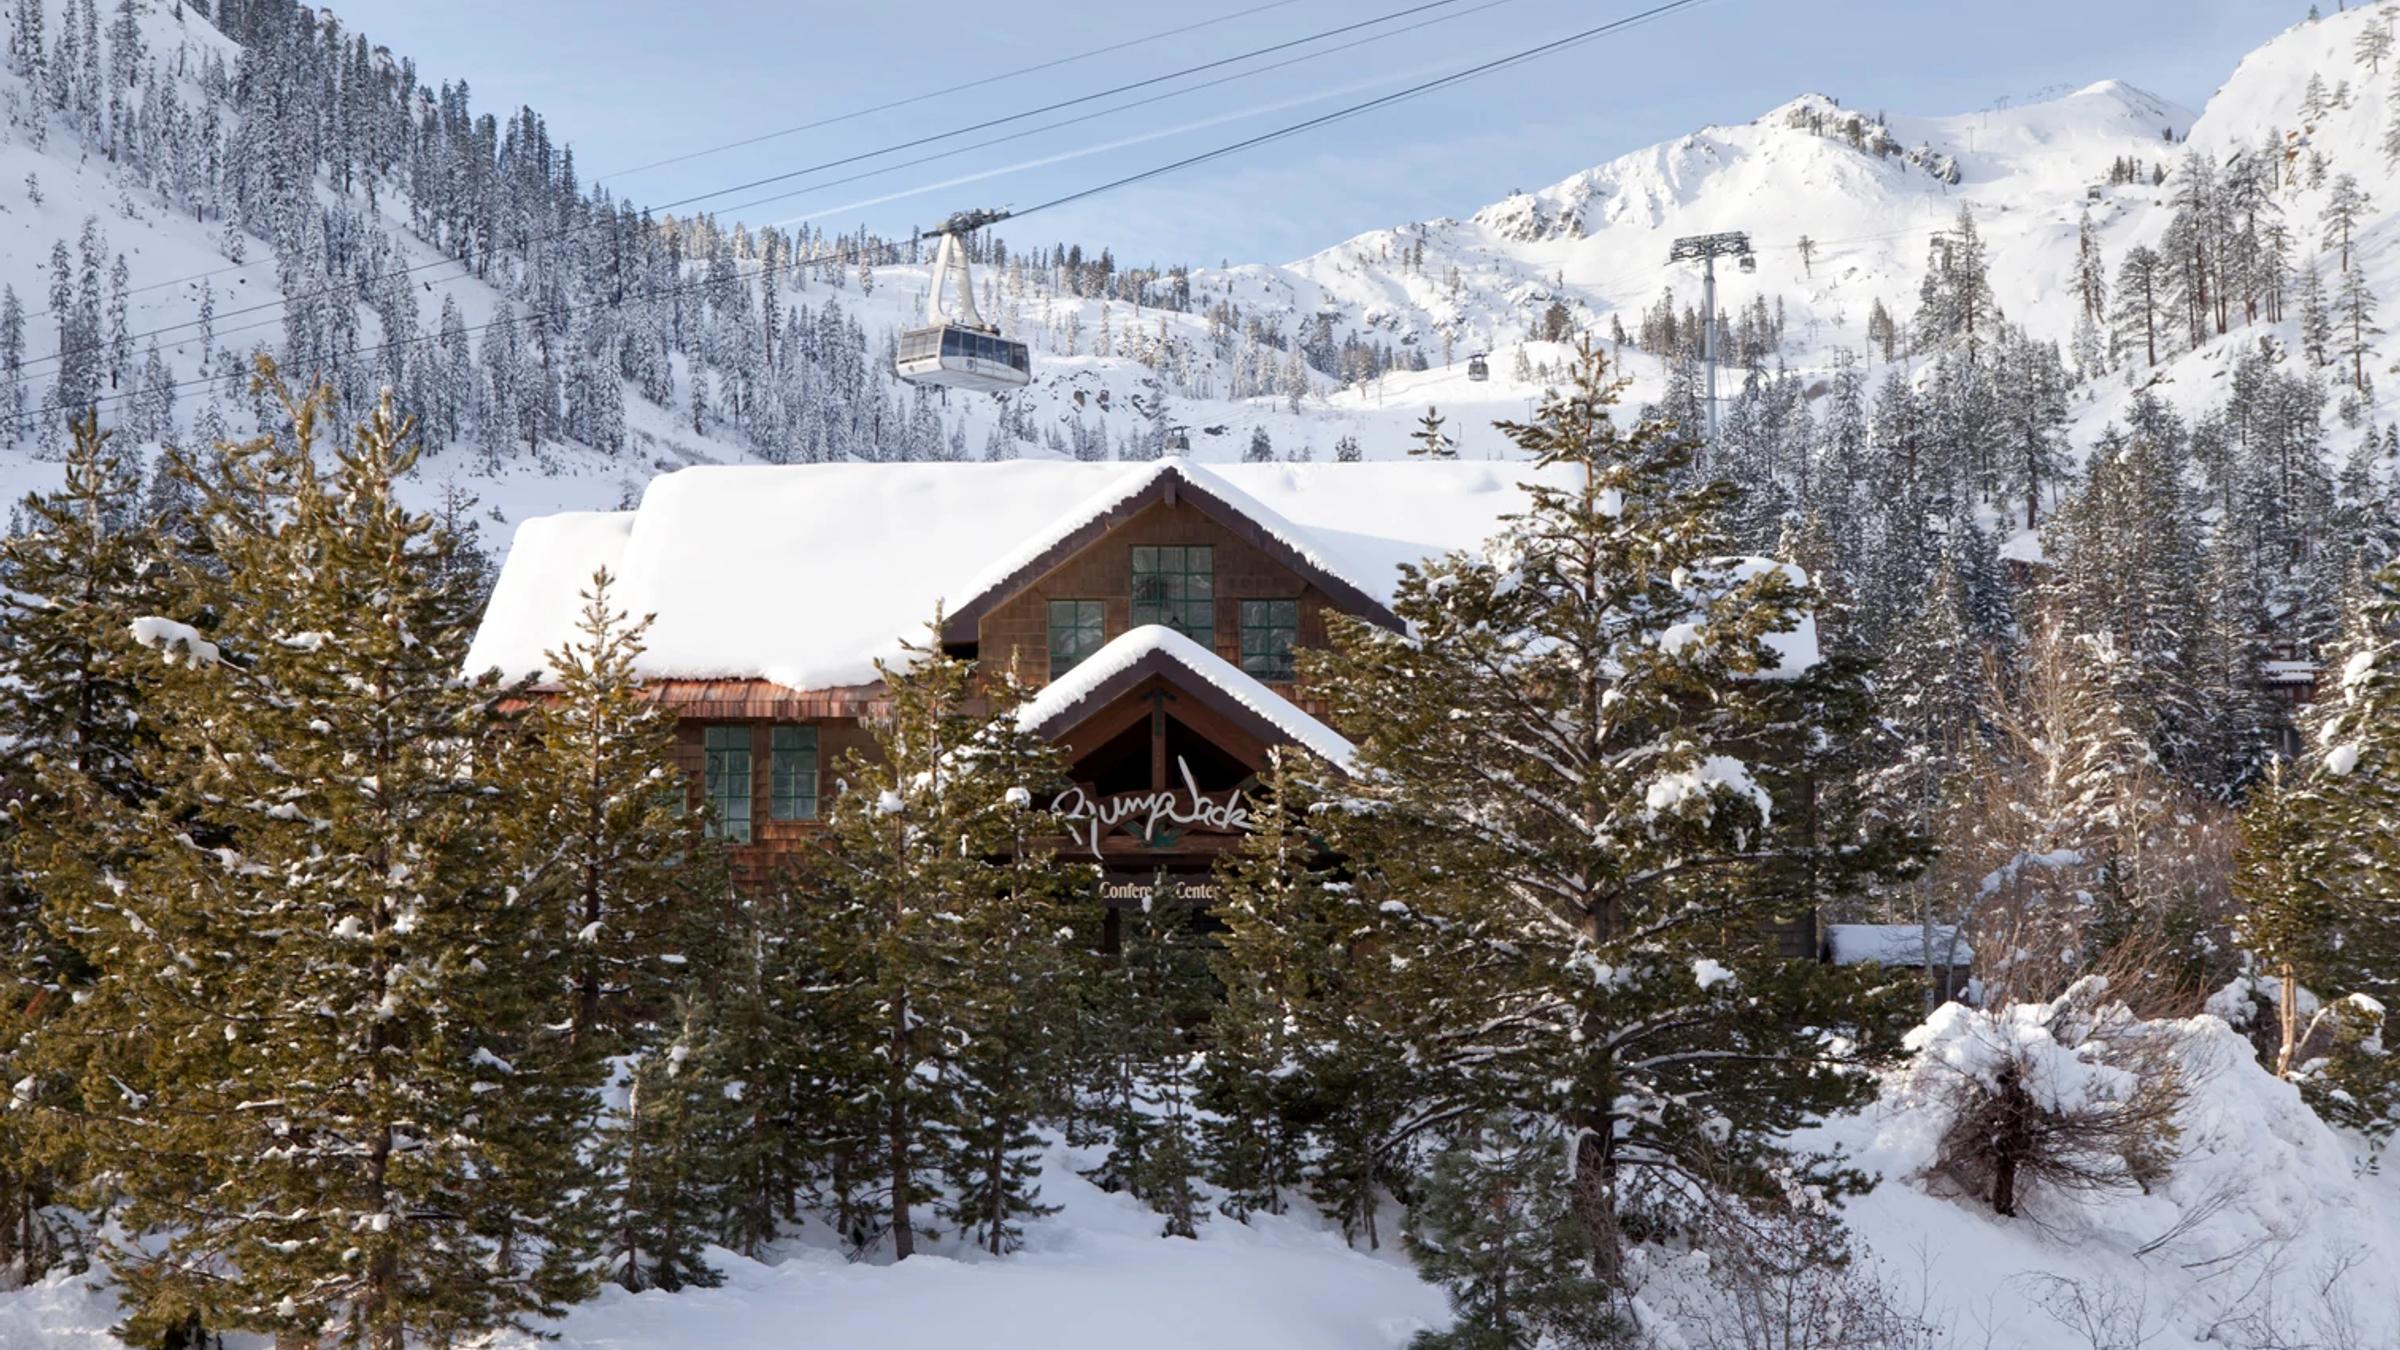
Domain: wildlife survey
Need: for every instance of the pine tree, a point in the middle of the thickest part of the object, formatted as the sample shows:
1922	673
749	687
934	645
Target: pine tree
2355	314
75	576
2317	937
2346	205
1642	825
1496	1228
1956	305
1429	442
2316	319
601	835
668	1177
310	951
2374	44
2091	272
2141	299
73	581
12	365
1015	985
1262	449
1159	987
908	862
1273	903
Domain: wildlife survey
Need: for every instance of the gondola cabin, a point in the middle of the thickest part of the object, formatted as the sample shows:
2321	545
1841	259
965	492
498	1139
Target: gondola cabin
955	356
1477	368
954	348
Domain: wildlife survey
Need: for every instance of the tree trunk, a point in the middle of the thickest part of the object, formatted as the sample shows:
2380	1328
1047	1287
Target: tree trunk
2287	1017
896	1132
1594	1199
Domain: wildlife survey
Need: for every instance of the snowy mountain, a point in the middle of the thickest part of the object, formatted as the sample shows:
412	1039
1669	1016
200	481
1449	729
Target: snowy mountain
1844	211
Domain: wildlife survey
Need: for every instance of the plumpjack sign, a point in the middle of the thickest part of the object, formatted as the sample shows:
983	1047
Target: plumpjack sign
1157	818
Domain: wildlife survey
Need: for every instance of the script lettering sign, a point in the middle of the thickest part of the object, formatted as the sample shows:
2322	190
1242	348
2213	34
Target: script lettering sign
1157	818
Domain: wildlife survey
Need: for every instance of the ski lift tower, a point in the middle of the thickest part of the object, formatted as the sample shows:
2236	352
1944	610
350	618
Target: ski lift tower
1705	249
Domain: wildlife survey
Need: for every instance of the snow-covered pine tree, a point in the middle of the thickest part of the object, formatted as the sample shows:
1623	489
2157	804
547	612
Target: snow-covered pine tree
601	836
909	857
1496	1227
2301	919
1591	766
71	697
1430	442
1016	979
1269	958
309	948
667	1171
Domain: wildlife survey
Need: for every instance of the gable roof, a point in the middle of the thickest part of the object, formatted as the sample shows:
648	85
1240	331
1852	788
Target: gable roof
1122	664
1169	482
805	575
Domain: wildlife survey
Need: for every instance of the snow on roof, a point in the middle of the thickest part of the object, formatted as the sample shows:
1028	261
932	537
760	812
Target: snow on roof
806	575
536	600
2289	672
1063	697
1143	478
1895	944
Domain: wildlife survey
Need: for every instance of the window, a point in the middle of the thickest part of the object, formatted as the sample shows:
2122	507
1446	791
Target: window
1176	585
792	770
1270	629
725	782
1076	630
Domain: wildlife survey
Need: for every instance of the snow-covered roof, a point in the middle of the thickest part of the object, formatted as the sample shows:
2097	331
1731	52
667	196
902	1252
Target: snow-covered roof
1894	944
807	575
1135	655
1166	480
2288	672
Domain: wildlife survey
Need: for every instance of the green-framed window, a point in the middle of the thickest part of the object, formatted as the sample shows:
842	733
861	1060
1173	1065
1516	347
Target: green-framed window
1270	631
792	773
725	781
1077	628
1176	584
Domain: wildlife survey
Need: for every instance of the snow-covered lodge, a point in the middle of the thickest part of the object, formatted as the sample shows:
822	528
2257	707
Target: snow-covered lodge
1158	607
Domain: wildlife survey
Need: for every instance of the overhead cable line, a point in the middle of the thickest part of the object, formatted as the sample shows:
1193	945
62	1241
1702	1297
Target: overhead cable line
520	245
855	114
845	256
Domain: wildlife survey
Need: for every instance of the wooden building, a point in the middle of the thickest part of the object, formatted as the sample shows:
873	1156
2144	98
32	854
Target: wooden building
1158	607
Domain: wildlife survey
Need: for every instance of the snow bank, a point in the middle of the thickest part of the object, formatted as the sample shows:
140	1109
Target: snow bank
2267	1225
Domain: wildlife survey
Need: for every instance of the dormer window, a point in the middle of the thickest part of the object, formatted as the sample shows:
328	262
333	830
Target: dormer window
1175	585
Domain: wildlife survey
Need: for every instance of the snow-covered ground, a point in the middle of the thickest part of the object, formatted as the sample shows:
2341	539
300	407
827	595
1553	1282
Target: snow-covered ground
2270	1231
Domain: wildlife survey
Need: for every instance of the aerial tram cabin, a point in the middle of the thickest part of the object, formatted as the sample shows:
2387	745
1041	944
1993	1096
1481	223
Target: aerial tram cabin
1179	440
955	348
1477	368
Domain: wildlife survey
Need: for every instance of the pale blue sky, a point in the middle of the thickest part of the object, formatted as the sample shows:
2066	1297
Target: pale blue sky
629	84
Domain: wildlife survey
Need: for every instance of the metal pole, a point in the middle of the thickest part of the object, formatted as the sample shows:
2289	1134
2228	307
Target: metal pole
1704	249
1708	341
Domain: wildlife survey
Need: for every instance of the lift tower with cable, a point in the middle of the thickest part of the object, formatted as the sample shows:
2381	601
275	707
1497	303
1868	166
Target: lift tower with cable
955	348
1705	249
